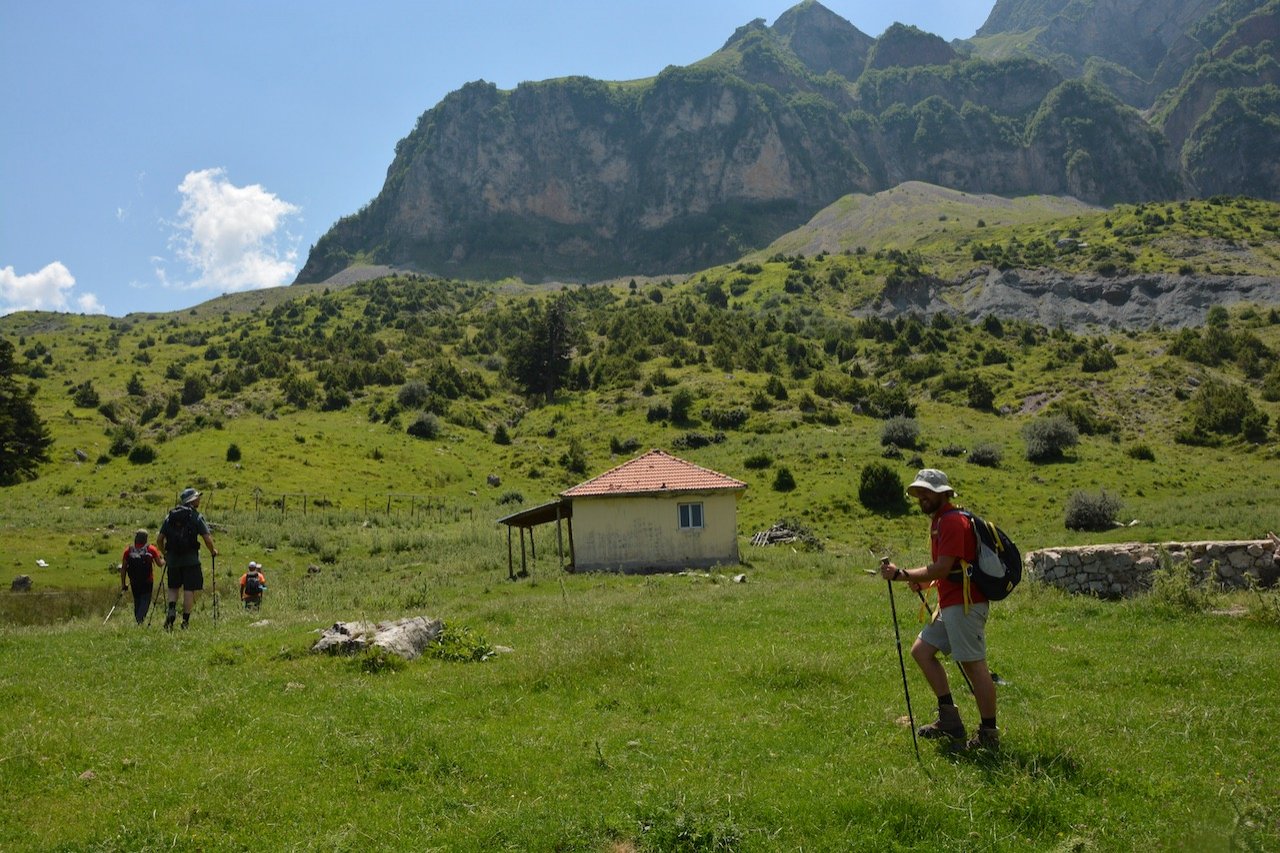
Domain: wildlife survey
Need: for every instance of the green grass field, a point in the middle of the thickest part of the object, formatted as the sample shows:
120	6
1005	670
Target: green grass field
668	712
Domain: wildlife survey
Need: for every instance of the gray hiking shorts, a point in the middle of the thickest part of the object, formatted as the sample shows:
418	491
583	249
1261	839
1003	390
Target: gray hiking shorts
961	635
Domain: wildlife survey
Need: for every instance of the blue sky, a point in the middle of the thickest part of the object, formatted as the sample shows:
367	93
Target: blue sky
158	153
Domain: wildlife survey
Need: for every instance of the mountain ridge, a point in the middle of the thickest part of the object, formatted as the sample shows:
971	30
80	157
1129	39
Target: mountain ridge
581	179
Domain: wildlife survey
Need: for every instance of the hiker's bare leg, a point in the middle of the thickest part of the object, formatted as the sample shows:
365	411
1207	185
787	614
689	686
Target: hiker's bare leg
926	657
188	600
984	689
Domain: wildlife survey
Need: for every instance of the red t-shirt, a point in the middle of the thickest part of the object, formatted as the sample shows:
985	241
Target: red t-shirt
149	553
950	534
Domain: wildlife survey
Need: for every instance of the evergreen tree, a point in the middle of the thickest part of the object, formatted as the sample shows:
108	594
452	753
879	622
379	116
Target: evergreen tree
24	438
539	357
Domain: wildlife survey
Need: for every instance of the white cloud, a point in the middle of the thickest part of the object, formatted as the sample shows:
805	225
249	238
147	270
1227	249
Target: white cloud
46	290
229	235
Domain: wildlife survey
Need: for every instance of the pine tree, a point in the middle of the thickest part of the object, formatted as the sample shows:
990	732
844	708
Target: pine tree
24	438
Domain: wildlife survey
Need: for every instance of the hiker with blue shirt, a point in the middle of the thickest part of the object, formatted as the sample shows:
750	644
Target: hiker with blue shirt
959	628
179	539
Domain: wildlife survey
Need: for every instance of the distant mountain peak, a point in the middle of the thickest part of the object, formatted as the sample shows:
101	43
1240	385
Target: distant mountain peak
823	40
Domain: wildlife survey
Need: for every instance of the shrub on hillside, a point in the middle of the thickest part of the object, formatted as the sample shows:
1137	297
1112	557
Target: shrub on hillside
901	432
757	461
142	454
425	425
880	488
500	435
1142	452
681	403
84	395
658	412
1221	408
981	396
233	452
1092	512
626	445
1048	438
730	418
783	481
986	455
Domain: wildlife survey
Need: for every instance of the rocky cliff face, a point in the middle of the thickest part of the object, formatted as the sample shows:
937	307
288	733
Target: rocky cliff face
581	179
1078	302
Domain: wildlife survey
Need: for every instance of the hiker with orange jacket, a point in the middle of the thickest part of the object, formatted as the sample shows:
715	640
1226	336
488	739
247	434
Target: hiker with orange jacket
252	584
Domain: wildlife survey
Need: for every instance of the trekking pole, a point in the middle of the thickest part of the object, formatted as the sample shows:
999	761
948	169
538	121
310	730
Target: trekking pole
214	560
157	594
959	666
119	595
897	636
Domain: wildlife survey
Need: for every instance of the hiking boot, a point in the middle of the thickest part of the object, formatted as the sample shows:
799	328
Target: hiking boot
168	622
985	739
948	724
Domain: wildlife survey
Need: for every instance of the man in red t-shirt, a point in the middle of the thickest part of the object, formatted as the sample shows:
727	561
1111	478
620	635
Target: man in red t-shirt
959	628
136	573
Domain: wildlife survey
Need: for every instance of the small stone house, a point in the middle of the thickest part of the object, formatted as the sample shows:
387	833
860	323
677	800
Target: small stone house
655	512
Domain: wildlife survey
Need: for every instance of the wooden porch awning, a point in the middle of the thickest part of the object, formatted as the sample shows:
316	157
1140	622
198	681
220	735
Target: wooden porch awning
527	519
544	514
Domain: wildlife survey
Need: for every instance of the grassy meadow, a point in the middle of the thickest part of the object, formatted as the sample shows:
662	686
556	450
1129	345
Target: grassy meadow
663	712
345	438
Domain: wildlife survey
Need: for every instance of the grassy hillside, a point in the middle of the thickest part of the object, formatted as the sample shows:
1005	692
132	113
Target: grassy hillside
304	397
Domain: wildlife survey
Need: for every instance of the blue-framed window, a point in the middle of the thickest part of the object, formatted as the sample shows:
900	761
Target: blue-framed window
690	516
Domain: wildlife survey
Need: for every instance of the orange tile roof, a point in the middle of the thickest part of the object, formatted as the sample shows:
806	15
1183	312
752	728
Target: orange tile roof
655	471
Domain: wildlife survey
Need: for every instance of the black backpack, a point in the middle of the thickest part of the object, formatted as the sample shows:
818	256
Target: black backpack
137	563
998	567
253	584
182	535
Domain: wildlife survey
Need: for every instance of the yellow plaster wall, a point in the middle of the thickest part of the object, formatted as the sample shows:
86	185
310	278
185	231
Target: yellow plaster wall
641	532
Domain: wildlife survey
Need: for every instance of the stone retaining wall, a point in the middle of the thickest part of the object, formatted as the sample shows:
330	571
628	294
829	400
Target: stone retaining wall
1124	570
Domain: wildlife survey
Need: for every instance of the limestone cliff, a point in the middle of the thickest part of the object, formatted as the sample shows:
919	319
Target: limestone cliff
580	179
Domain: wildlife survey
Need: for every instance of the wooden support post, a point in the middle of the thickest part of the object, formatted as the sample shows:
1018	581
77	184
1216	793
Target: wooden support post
511	569
559	540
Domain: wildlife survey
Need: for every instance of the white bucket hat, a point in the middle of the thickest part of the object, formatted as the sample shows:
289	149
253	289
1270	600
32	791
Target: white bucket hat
931	479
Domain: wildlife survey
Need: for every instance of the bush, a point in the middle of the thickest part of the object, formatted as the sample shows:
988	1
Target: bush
1220	407
901	432
142	454
627	445
880	488
986	455
681	402
426	425
730	418
500	435
783	481
658	412
233	452
757	461
981	397
84	395
1174	590
510	498
1092	512
1048	438
1142	452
